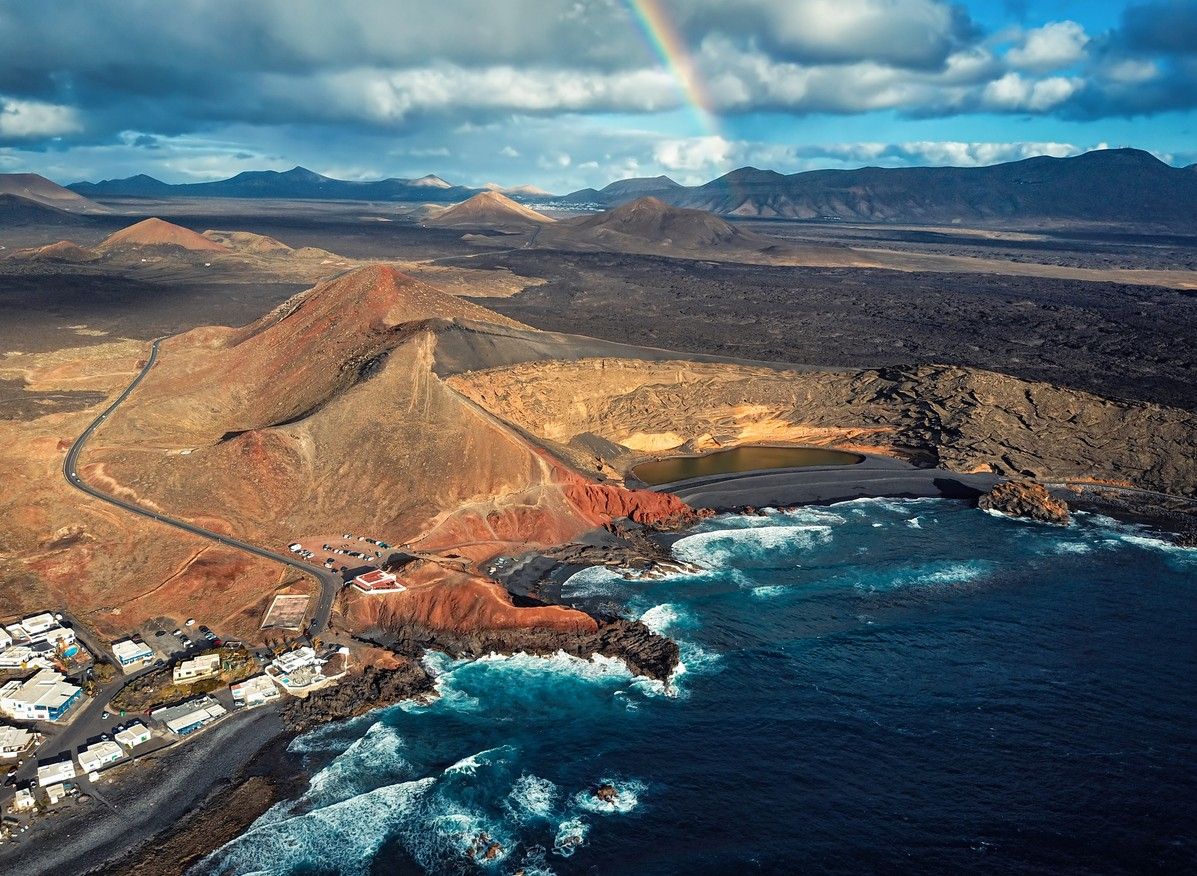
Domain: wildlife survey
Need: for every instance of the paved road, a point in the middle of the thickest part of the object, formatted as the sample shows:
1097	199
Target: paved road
329	582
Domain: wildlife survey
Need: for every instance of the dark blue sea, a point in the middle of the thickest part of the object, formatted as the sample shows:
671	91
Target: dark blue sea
873	687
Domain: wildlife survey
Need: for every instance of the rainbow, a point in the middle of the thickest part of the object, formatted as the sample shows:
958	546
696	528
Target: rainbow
666	42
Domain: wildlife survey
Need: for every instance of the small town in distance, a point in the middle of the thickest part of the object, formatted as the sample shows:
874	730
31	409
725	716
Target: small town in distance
77	712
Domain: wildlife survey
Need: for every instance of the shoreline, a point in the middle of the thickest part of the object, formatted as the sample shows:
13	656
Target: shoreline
148	803
167	816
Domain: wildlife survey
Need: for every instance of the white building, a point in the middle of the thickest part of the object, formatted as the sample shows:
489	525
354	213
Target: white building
46	696
53	773
23	801
189	716
203	666
39	623
95	757
296	659
14	741
130	653
300	671
5	638
54	635
54	793
377	581
133	735
23	657
255	691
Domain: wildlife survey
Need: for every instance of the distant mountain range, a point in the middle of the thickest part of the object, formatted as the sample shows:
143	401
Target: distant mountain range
1120	186
296	183
1125	186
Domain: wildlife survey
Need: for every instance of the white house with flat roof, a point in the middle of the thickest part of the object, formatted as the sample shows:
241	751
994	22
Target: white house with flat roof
14	741
23	657
133	735
53	773
131	653
95	757
23	801
5	638
203	666
39	623
46	696
189	716
255	691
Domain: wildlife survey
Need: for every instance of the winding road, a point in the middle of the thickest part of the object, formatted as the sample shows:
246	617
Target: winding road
329	582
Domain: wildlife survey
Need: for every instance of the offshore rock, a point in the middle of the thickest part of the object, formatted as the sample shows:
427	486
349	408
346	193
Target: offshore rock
1025	499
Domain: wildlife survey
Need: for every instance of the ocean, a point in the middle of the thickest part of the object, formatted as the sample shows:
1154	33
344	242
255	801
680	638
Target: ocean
876	686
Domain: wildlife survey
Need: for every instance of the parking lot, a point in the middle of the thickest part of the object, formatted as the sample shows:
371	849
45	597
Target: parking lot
170	638
345	551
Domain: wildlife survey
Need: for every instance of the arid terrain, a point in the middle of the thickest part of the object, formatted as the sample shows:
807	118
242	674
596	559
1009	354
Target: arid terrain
397	380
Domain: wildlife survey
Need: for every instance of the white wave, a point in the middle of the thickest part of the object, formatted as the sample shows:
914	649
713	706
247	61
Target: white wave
469	765
352	829
627	797
768	591
729	547
571	835
532	797
327	737
592	582
375	753
913	523
1159	544
660	618
1072	547
954	573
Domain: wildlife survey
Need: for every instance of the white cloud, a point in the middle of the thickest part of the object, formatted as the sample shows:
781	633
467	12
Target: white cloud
509	152
1057	44
694	153
903	33
27	119
1130	71
1014	93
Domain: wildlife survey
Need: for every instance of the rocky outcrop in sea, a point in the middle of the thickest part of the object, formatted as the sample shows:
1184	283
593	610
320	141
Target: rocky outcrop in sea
1025	499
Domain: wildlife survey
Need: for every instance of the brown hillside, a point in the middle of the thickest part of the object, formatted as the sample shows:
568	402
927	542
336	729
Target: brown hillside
34	187
326	416
156	232
62	251
489	210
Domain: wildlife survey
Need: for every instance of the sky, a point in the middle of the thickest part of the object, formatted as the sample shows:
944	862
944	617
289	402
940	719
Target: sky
566	94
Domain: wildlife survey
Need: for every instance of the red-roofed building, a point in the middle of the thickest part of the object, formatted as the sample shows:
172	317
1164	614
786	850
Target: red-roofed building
377	581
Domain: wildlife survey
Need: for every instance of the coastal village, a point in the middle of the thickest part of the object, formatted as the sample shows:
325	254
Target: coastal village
76	712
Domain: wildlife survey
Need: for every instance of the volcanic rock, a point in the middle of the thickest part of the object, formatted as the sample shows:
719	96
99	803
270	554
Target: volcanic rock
357	694
606	793
1025	499
644	652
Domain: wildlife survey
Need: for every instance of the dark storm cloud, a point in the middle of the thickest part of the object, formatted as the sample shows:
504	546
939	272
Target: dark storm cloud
176	78
1161	27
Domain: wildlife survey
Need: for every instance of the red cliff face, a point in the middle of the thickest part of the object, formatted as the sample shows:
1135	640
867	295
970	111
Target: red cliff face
603	503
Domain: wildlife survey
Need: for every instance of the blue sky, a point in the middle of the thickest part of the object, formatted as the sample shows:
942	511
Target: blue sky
573	93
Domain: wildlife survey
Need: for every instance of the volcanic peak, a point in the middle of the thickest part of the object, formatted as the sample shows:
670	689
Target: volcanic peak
653	220
492	209
157	232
